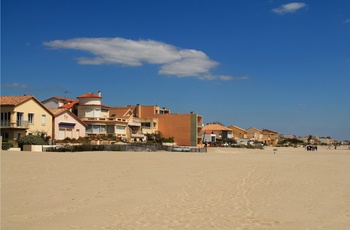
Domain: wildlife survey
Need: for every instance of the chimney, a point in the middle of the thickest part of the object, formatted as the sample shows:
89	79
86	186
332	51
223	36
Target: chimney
99	93
138	111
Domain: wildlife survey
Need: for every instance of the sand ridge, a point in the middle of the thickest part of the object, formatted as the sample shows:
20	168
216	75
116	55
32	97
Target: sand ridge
225	188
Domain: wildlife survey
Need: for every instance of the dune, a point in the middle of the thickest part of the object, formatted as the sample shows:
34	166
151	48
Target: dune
225	188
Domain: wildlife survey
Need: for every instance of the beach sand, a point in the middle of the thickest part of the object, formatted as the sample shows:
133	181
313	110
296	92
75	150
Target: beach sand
226	188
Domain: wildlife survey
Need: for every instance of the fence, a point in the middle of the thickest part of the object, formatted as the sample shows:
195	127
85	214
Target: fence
133	147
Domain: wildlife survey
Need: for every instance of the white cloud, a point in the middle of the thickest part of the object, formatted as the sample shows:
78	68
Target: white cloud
172	60
289	8
347	21
15	86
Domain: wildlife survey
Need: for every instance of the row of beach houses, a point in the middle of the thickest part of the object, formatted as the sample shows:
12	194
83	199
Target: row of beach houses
59	118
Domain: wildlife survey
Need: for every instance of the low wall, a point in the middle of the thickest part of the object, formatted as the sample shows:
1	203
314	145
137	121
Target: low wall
33	148
14	149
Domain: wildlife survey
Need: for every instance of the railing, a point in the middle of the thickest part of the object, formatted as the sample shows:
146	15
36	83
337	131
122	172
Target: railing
104	119
17	124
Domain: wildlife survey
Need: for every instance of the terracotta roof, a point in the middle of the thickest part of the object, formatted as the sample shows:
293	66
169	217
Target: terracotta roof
58	111
14	100
61	99
102	105
268	131
70	105
233	126
253	128
216	127
105	106
89	95
207	131
69	102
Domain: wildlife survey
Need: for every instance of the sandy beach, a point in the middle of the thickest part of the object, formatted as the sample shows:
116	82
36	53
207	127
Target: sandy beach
226	188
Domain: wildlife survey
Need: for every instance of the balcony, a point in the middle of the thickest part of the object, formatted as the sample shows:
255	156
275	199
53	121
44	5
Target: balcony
19	124
103	119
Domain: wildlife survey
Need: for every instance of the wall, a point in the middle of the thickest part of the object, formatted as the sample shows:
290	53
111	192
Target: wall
33	148
32	107
177	126
238	132
89	101
51	103
66	117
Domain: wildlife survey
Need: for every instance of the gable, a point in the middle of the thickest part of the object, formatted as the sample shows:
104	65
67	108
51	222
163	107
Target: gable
61	114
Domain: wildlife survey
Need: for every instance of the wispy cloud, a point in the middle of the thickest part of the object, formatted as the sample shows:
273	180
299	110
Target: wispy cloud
15	86
289	8
347	21
172	60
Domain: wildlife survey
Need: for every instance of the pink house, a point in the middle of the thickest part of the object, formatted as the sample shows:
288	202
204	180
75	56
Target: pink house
67	125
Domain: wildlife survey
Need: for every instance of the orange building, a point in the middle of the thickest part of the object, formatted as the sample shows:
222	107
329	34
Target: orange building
186	129
238	132
270	137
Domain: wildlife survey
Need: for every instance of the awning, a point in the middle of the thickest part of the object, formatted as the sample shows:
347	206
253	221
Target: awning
66	124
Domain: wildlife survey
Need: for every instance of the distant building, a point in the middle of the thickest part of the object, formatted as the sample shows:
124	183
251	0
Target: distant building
67	125
254	134
59	103
270	137
134	125
326	140
311	140
96	115
288	136
217	132
186	129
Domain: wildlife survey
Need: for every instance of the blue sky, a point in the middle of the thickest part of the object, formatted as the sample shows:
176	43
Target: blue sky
280	65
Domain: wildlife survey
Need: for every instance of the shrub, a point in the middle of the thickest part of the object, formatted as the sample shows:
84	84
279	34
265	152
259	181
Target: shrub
6	145
30	140
168	140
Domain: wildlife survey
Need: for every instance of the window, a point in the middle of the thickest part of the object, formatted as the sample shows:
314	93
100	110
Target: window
5	135
146	125
43	119
89	129
120	129
93	113
96	129
19	119
30	118
110	129
5	119
89	113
